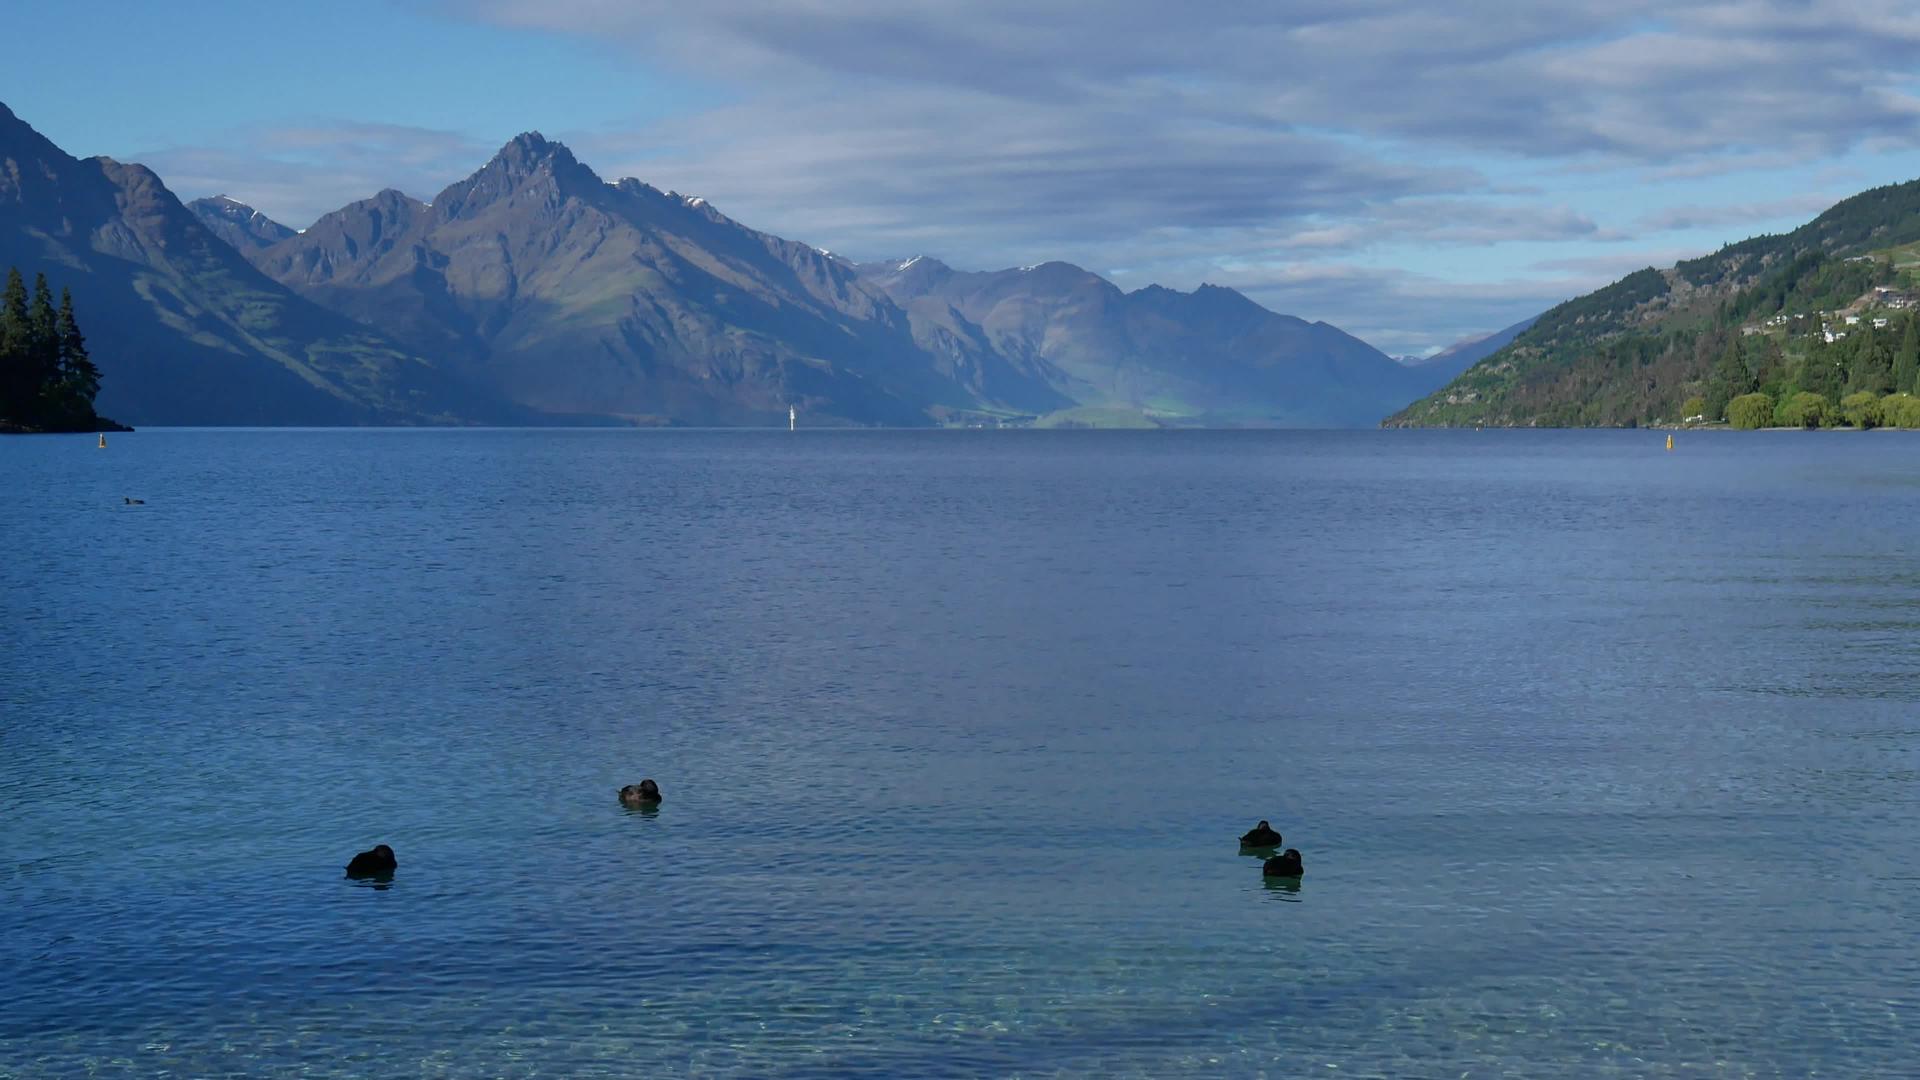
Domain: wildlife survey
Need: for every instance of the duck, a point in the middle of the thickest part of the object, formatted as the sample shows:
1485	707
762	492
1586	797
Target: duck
376	863
644	793
1261	835
1285	864
131	501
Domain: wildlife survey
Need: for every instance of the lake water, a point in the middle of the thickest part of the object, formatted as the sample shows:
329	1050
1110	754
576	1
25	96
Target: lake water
1604	761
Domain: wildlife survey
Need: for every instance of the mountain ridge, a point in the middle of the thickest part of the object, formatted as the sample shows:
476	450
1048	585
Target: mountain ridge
691	316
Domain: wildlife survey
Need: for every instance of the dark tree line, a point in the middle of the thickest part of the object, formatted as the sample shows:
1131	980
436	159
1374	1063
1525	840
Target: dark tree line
47	380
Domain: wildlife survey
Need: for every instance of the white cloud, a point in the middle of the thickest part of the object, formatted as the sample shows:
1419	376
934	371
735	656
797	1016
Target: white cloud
296	173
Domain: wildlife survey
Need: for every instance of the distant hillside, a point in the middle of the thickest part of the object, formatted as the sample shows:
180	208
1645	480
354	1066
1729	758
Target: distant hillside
1211	356
1767	314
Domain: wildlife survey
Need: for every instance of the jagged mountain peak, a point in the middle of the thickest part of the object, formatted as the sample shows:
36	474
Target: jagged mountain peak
388	204
1055	267
531	144
136	179
394	197
223	205
909	276
527	158
1222	294
646	192
227	208
530	151
238	224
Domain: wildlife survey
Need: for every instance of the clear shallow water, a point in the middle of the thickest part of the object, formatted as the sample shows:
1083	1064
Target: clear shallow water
1603	760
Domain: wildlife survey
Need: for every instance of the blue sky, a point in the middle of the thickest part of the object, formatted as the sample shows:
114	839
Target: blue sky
1412	173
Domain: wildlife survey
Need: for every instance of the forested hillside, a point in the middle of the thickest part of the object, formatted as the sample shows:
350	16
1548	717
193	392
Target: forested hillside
1825	310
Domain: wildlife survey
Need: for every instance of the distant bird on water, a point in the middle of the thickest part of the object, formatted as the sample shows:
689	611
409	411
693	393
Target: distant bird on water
1286	864
133	501
1261	835
372	864
643	794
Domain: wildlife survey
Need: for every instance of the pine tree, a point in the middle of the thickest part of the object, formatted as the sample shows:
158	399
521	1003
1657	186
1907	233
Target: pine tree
13	308
1825	374
1906	362
17	386
47	380
43	342
1872	368
1730	379
79	378
1773	371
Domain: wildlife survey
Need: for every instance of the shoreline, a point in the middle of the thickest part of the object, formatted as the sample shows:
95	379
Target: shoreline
99	425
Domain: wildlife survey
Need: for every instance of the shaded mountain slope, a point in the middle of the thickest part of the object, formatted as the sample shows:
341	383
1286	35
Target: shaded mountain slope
186	330
1211	355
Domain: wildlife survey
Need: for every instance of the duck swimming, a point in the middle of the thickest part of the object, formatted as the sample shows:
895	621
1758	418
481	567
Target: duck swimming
644	793
1285	864
1261	835
134	502
376	863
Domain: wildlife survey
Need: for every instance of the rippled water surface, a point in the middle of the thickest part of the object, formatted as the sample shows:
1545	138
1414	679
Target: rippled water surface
1603	759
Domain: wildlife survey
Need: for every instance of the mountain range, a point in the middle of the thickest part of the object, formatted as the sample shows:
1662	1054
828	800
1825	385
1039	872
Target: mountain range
184	328
533	291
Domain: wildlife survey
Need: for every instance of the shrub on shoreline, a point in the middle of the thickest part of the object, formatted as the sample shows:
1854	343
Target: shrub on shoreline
1805	409
1861	409
1750	411
1900	411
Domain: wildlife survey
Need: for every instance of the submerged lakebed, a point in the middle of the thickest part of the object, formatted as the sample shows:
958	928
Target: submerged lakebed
1600	757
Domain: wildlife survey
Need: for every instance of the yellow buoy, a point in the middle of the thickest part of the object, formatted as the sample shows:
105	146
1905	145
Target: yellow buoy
1669	440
